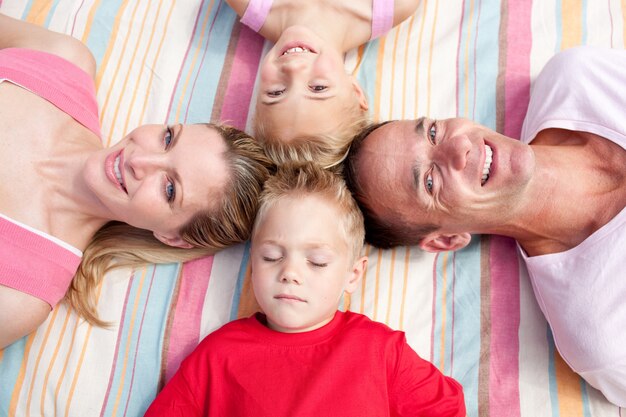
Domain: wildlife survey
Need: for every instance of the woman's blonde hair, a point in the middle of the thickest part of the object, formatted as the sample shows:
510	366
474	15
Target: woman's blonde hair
295	179
325	149
228	222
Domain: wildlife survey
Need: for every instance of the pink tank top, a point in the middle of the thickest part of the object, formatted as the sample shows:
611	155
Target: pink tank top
382	15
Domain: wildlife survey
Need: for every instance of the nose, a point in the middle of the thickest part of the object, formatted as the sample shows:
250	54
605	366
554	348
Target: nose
453	152
141	164
289	274
294	65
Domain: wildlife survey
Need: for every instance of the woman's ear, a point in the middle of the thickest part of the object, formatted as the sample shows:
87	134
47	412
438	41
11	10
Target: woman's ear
360	94
175	241
356	273
444	242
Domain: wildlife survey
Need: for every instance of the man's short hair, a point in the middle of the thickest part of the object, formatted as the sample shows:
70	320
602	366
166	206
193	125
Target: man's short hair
380	232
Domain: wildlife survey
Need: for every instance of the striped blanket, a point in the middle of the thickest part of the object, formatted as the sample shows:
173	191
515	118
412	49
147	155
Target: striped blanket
472	313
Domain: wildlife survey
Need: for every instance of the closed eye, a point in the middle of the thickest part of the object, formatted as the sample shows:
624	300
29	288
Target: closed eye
270	259
275	93
318	264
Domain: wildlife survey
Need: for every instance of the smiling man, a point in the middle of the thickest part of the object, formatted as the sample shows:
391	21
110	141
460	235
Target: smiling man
433	183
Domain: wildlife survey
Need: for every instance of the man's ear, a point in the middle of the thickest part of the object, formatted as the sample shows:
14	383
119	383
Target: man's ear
444	242
360	95
175	241
356	273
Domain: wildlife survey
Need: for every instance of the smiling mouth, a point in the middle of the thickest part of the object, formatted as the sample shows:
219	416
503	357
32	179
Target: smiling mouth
296	50
118	172
487	165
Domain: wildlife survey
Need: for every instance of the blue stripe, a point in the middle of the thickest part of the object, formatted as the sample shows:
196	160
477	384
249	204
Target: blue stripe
51	13
558	27
367	76
240	280
99	37
554	396
9	372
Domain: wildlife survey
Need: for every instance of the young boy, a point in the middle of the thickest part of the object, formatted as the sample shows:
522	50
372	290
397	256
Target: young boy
303	357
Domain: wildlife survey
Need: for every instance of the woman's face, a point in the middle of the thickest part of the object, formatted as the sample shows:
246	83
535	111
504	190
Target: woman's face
158	177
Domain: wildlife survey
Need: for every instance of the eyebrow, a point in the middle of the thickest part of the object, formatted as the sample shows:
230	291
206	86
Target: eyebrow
417	174
177	177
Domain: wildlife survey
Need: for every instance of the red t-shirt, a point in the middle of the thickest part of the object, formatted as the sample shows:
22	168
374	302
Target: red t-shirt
350	367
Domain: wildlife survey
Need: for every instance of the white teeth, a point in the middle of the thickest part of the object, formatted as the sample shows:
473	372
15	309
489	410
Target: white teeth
487	166
118	173
294	50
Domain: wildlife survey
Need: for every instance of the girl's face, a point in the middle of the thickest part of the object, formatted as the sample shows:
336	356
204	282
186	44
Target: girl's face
158	177
304	88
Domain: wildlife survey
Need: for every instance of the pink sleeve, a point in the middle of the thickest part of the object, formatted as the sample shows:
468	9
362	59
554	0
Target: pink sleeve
256	13
382	17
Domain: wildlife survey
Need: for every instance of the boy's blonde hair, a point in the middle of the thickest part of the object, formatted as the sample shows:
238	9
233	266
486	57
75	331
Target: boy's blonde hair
327	149
294	179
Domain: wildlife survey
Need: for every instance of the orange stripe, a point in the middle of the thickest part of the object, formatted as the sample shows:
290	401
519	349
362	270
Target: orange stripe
393	68
82	356
430	57
444	286
571	23
67	360
363	280
119	60
38	12
466	64
390	297
247	301
59	339
379	78
154	64
197	50
90	17
419	57
568	389
20	377
143	65
44	342
127	70
407	257
406	64
111	43
129	332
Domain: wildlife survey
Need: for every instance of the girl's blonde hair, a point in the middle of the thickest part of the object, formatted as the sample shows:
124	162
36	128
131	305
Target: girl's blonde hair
295	179
325	149
228	222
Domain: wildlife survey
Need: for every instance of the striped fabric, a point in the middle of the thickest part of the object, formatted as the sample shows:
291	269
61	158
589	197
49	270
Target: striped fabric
472	313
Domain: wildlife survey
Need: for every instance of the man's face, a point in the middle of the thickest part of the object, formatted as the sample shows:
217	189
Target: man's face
452	173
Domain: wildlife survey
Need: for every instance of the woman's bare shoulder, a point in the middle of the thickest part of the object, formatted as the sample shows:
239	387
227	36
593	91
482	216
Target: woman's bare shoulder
239	6
16	33
403	9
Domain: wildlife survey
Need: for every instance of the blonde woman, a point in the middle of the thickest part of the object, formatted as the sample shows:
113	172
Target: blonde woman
69	205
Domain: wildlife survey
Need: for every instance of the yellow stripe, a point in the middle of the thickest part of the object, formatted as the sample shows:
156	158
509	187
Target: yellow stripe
111	43
59	339
393	68
89	23
568	389
143	65
444	286
406	65
127	70
430	57
419	57
39	12
466	64
363	281
379	261
68	355
571	23
154	63
129	332
196	50
55	313
390	296
20	376
82	356
407	257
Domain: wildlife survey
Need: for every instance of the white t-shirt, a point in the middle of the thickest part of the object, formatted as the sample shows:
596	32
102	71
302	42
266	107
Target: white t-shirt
582	291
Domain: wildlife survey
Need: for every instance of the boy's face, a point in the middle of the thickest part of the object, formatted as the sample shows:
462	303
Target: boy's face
304	88
301	263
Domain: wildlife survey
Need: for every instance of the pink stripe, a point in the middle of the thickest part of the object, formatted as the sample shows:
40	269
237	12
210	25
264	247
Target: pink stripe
517	78
504	397
458	54
241	81
188	315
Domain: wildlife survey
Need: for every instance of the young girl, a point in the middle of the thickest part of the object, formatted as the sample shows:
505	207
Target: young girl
308	107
